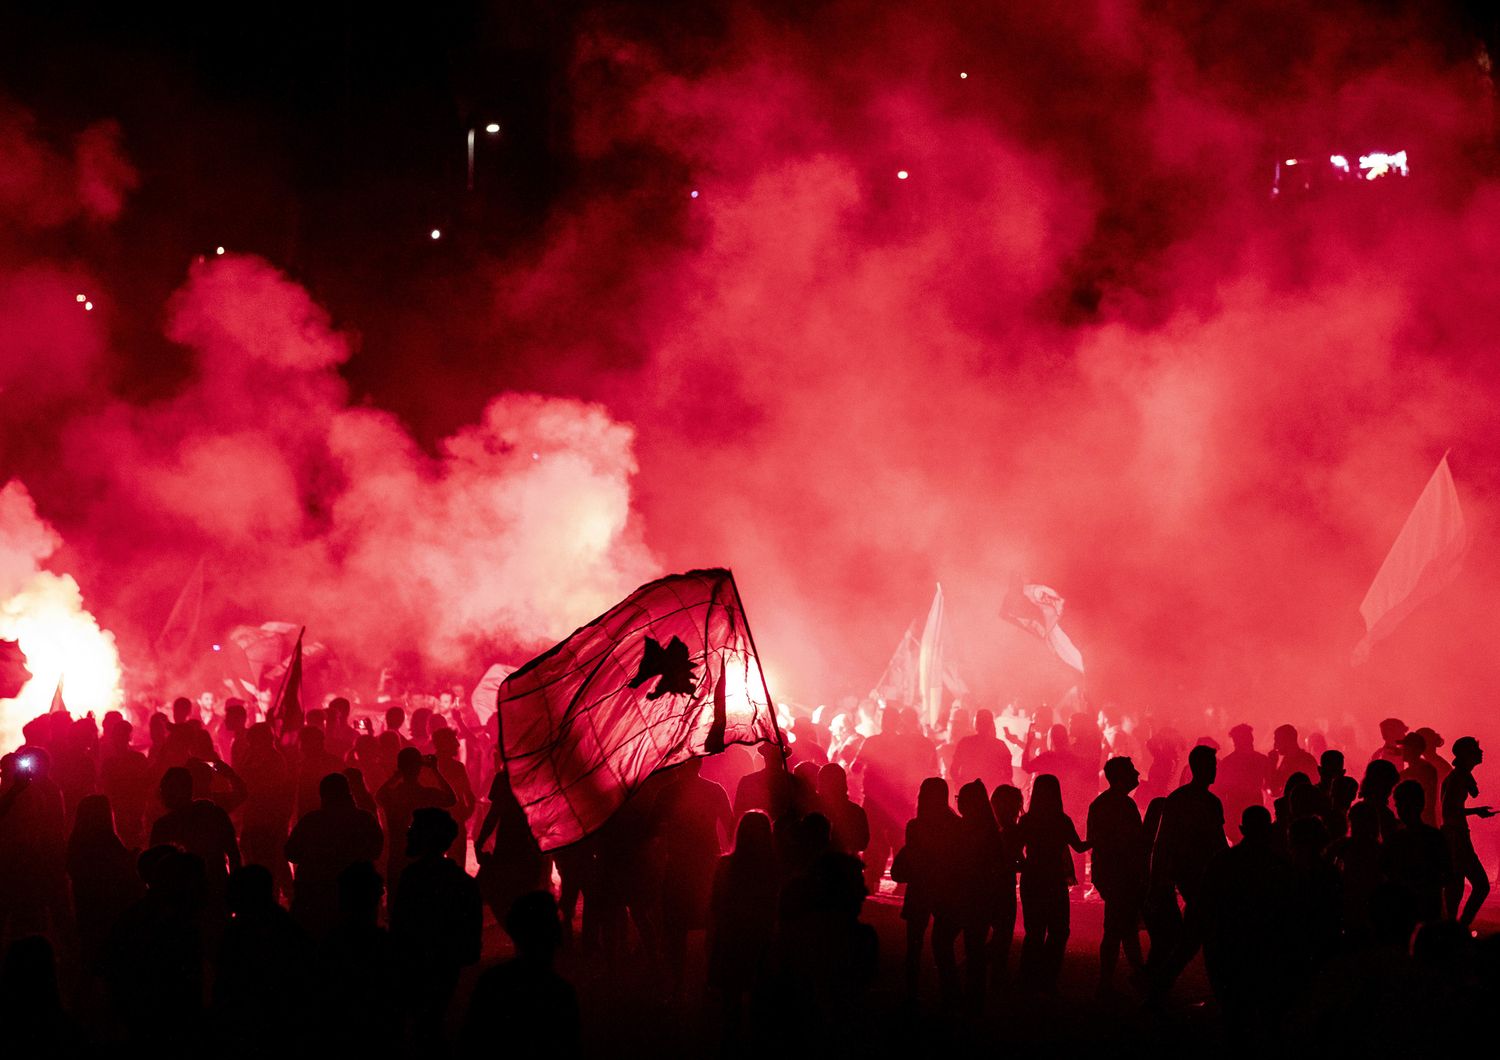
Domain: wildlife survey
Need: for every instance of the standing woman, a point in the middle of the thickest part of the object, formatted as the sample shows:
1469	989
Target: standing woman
923	864
1006	802
1046	834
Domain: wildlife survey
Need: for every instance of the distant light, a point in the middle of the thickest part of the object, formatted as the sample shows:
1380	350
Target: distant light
81	298
216	647
902	174
437	233
492	128
693	193
1379	163
1290	162
218	250
1339	161
963	75
536	456
88	306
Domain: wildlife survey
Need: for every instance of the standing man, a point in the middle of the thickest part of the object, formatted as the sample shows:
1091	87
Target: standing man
1119	867
1457	790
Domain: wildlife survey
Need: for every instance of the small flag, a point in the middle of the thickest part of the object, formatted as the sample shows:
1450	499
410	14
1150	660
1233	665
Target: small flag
1037	609
668	674
58	707
898	683
1427	555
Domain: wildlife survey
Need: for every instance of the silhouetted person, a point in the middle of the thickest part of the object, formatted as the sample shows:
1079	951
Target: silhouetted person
923	864
33	834
402	795
1241	908
1189	837
522	1005
1361	864
314	762
263	978
1457	790
445	758
1006	803
1288	756
1077	778
1313	906
975	880
1243	774
1046	834
360	999
271	790
769	788
1416	856
982	756
691	818
1120	860
1416	767
125	777
1392	731
198	827
1380	780
154	960
325	842
514	865
103	875
742	918
436	919
850	826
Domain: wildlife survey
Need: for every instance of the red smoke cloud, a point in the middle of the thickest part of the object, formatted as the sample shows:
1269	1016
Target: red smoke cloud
1078	342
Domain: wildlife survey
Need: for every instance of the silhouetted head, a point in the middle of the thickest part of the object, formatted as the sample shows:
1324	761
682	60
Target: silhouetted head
235	715
534	925
771	755
1381	778
157	727
1243	737
1057	738
1343	793
250	890
1121	775
833	782
974	803
1392	729
1431	737
1046	796
338	709
932	797
202	774
1466	752
1255	824
1331	766
432	832
395	718
1364	822
1284	739
1203	764
959	724
117	733
1410	801
984	724
752	839
807	775
421	720
409	762
360	890
333	791
94	816
182	709
445	742
1412	747
1006	801
176	788
1297	780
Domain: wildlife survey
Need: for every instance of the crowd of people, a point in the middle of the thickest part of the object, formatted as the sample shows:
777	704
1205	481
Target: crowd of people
324	885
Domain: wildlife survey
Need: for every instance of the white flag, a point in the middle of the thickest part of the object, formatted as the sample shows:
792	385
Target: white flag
930	661
1427	556
1038	609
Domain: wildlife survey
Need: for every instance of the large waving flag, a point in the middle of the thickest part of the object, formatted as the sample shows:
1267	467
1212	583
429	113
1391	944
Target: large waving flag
669	673
1427	556
1037	609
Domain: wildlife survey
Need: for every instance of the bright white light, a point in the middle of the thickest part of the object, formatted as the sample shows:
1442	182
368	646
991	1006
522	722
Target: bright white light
437	233
902	174
80	298
89	306
216	647
536	456
694	193
1379	163
1339	161
218	250
964	76
492	128
1290	162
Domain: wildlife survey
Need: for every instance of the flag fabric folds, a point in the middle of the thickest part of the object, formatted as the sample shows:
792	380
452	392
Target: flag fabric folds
58	706
286	714
668	674
930	661
898	684
1427	555
1038	609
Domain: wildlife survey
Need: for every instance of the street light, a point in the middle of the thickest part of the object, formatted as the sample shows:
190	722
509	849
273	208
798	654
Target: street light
493	128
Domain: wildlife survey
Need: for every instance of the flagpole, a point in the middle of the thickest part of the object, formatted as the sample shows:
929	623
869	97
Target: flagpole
750	636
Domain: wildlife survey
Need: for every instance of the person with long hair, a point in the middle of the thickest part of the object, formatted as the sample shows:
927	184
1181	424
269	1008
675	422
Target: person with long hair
923	864
103	874
1047	834
742	917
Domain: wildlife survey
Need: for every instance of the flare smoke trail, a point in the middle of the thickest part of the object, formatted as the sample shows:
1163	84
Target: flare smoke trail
1077	341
